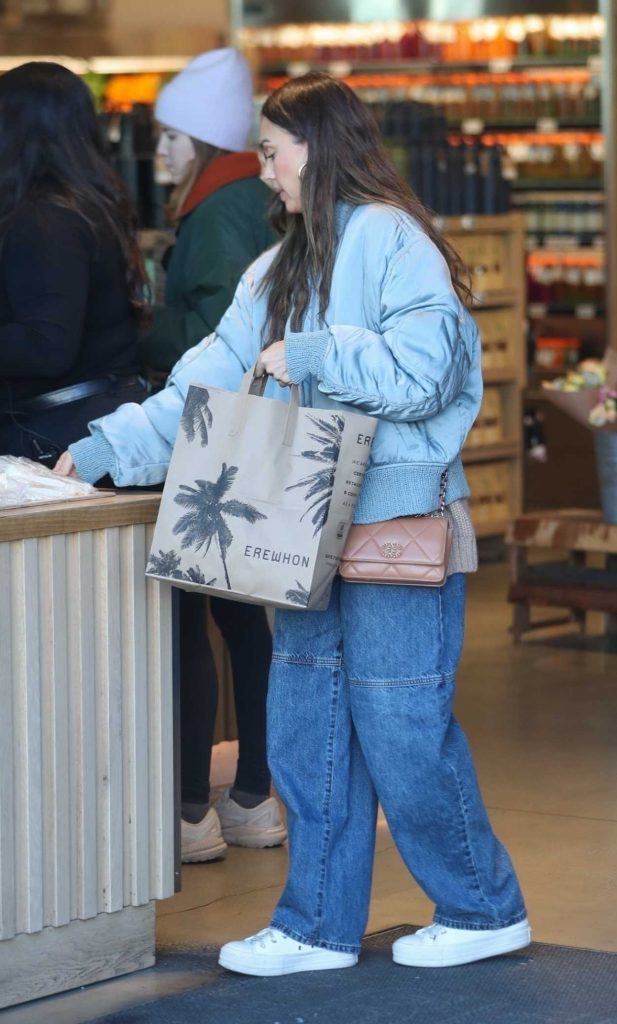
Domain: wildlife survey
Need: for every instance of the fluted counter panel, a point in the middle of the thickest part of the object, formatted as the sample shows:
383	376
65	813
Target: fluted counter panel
86	730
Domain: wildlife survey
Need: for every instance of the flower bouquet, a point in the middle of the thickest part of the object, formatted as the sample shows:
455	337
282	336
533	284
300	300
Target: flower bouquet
588	393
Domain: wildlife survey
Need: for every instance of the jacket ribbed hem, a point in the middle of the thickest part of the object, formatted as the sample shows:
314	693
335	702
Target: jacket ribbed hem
304	353
407	489
93	458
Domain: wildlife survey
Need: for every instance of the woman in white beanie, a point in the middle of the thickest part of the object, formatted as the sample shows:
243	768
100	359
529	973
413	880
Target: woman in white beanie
219	204
220	209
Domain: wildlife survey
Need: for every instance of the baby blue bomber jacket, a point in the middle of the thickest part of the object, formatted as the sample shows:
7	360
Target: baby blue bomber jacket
396	343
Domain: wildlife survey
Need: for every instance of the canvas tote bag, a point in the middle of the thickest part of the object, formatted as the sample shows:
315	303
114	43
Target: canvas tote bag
259	496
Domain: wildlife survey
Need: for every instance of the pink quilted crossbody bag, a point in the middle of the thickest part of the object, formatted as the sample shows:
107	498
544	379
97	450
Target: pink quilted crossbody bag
407	551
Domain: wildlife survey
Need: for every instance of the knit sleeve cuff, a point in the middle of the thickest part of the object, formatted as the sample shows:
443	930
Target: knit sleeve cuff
305	353
93	458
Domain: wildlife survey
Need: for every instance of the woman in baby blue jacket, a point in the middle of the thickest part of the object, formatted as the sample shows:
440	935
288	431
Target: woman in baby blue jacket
361	305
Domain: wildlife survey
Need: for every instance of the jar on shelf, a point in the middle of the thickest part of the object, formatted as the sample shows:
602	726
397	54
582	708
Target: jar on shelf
556	353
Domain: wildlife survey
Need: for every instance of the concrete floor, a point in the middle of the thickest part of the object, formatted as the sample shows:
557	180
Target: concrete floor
542	721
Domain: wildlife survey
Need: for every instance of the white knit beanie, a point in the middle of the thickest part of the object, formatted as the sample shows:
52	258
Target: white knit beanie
210	100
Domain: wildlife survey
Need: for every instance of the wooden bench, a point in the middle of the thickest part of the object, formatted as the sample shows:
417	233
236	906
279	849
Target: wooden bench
570	583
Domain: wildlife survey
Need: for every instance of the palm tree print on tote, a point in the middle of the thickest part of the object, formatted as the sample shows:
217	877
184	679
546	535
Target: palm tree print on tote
167	563
195	575
205	519
320	483
299	596
196	416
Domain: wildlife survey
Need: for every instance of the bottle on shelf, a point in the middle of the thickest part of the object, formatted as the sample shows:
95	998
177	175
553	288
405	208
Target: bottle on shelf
476	40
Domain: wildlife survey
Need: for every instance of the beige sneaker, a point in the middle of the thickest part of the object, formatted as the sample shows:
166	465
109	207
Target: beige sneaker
203	840
250	826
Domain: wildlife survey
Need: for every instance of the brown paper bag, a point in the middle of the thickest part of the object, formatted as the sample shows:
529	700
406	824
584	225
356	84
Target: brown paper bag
259	497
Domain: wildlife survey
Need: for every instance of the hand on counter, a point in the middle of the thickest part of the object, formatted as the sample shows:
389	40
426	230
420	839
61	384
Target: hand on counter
65	466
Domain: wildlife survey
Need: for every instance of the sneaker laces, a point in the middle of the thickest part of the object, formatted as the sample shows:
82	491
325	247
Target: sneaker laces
264	937
432	932
269	936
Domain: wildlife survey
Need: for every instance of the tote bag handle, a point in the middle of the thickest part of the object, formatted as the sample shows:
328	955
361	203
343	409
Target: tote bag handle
254	387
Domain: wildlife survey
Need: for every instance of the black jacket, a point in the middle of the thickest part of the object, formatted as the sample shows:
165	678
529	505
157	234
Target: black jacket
65	315
65	318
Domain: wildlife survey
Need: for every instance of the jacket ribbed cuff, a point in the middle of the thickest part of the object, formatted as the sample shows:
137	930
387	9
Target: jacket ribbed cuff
305	353
93	458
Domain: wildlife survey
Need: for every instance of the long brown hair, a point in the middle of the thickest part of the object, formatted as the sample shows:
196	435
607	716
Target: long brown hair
346	160
53	151
204	155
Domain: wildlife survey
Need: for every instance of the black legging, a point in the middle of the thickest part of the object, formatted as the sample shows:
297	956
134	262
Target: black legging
244	628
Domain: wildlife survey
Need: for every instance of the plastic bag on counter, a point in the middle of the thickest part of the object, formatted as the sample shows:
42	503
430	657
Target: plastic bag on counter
23	482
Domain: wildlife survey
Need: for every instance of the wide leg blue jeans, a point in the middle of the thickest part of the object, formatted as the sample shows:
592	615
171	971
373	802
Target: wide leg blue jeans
360	711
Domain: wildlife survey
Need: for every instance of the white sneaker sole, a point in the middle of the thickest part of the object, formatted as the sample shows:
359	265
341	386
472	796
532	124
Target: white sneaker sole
505	940
201	855
244	962
254	838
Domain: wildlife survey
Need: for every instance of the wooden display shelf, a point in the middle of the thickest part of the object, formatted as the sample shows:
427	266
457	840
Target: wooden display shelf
501	376
491	452
490	300
570	584
495	469
495	528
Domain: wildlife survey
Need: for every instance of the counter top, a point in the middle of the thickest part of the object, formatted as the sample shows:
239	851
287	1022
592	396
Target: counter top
96	513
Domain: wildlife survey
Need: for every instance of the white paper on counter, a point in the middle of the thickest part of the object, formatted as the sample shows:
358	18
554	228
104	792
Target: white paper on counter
23	482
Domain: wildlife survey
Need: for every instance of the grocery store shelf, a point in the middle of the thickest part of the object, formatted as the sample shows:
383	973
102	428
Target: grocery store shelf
499	65
522	201
491	452
545	255
553	184
566	241
501	223
587	312
537	125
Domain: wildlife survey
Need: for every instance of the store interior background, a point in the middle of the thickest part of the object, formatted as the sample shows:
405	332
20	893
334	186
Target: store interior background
541	715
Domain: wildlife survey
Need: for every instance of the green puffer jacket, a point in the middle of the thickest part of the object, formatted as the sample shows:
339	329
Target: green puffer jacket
216	240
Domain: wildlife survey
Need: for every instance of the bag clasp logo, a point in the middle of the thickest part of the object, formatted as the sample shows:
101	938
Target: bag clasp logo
391	549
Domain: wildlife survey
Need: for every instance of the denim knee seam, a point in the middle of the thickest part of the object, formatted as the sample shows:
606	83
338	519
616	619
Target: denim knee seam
441	677
306	659
338	947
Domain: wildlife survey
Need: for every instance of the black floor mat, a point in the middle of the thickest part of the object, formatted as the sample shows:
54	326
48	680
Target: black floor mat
543	984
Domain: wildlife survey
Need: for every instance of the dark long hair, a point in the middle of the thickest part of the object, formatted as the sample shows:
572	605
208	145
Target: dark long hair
52	150
346	160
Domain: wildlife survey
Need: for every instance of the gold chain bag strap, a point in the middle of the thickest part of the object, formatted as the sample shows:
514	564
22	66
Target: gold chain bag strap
408	551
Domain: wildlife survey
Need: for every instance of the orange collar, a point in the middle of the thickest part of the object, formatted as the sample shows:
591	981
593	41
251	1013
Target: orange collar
222	171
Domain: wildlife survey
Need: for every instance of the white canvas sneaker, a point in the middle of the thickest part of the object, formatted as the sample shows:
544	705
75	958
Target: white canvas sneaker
271	952
203	840
438	946
256	827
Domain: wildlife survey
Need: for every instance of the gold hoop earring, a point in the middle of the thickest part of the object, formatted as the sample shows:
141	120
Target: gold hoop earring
301	168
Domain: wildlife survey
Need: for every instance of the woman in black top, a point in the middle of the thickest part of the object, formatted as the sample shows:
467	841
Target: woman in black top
72	283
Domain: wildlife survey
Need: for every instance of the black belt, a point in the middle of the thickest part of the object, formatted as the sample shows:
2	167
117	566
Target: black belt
74	393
